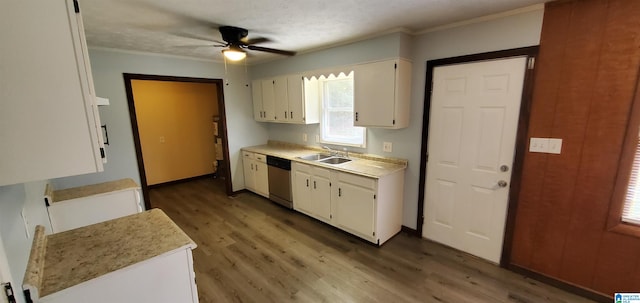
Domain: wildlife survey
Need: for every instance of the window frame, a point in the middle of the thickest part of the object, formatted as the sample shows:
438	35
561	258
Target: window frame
625	167
323	111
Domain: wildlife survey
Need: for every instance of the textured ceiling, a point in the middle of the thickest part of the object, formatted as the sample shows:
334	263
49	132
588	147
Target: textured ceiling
183	27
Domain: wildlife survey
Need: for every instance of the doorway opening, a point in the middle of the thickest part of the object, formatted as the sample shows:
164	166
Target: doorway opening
179	129
519	147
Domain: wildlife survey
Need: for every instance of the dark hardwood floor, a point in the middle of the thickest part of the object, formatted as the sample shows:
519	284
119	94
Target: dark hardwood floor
252	250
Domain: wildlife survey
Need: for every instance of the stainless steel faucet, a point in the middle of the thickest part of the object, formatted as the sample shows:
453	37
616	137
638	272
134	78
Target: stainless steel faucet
331	151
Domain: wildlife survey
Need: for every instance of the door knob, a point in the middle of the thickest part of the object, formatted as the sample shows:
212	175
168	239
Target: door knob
504	168
502	183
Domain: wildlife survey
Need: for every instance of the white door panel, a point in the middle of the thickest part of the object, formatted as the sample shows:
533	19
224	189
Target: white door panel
473	124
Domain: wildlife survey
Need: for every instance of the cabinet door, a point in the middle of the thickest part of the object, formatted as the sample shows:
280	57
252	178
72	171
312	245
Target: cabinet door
47	120
374	94
356	209
268	100
302	191
261	178
281	99
321	197
256	92
296	98
249	175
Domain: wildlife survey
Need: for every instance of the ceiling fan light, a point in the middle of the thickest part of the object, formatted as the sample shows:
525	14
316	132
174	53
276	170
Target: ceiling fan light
234	54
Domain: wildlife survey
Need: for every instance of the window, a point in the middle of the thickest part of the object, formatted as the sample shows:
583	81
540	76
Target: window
336	124
624	211
631	209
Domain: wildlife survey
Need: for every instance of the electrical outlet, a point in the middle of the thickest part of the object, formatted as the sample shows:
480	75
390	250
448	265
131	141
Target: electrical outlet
387	147
555	146
317	138
539	145
304	137
161	139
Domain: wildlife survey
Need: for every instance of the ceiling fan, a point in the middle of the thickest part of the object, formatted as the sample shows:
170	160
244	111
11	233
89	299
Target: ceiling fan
235	38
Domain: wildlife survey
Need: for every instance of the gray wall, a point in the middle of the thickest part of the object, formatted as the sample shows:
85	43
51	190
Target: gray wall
512	31
108	67
15	200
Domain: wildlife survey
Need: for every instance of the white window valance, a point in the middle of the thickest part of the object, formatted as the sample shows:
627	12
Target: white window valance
327	73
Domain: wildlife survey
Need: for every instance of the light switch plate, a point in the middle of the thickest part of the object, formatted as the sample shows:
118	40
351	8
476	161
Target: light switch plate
304	137
539	145
555	146
387	147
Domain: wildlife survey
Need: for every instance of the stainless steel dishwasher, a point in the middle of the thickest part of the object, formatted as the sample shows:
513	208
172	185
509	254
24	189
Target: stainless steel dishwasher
280	181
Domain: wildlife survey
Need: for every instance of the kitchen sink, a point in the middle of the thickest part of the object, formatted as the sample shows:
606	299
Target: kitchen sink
315	157
334	160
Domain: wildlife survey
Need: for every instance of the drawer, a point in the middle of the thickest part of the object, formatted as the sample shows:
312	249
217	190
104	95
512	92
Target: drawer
247	155
357	180
322	172
295	166
260	158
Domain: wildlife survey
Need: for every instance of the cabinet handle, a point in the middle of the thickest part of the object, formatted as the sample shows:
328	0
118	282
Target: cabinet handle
314	184
356	116
256	167
251	166
291	115
339	192
307	182
285	115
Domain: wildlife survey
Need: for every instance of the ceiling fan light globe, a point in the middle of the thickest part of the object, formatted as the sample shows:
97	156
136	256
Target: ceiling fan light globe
234	55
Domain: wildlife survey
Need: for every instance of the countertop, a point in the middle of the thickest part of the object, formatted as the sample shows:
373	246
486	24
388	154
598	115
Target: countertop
65	259
360	164
89	190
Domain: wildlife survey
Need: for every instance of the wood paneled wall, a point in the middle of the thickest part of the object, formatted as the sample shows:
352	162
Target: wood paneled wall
586	76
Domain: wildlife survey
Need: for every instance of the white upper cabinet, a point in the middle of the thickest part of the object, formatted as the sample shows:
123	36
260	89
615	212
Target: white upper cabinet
286	96
49	124
281	99
382	94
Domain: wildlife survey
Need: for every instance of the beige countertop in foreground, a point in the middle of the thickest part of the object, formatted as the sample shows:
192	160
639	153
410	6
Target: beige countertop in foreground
90	190
366	165
65	259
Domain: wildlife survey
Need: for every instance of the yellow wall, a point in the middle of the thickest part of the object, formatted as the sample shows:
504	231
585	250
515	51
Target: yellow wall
180	114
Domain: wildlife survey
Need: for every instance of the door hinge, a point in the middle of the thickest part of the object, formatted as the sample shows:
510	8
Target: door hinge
374	233
394	121
102	155
27	296
8	291
531	63
330	216
395	65
76	6
374	197
329	184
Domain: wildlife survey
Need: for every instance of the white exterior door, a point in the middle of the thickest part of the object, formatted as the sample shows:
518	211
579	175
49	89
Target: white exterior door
472	132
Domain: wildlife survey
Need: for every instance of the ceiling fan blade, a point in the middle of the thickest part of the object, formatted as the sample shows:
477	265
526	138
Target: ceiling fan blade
256	40
199	37
271	50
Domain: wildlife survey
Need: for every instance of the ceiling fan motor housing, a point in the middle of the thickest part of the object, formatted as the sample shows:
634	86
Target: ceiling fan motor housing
232	34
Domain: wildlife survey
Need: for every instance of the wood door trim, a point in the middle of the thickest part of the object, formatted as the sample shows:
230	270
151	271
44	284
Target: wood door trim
136	133
521	137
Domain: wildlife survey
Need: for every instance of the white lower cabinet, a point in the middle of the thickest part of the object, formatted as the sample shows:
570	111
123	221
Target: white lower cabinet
356	205
256	175
312	191
370	208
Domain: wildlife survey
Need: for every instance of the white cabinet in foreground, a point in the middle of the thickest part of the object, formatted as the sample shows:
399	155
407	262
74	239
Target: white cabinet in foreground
81	206
49	122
